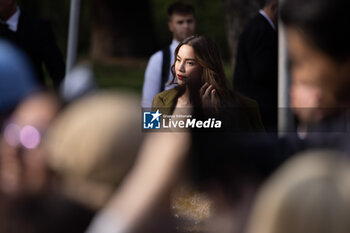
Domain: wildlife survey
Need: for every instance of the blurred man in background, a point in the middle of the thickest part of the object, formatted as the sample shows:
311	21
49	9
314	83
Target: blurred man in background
36	38
256	64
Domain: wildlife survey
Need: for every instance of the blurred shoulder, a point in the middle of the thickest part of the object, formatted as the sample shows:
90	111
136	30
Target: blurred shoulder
256	26
249	111
156	57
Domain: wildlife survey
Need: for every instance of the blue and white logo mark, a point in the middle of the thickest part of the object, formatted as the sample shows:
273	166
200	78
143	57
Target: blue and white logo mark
151	120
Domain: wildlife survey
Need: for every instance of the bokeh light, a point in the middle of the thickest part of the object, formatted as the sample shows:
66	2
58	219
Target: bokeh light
29	137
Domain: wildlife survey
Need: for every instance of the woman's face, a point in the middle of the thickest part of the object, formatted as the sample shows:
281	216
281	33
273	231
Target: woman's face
316	78
187	68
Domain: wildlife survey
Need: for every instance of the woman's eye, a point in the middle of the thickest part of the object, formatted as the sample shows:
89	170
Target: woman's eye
190	63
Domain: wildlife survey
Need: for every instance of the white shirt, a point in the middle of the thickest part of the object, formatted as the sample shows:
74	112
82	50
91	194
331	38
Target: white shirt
262	12
13	20
153	76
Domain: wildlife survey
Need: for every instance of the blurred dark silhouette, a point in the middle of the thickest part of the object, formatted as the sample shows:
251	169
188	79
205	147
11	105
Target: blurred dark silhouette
319	53
256	63
37	40
120	25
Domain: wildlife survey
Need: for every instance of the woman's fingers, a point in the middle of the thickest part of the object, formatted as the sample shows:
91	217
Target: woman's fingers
208	90
208	95
213	97
203	88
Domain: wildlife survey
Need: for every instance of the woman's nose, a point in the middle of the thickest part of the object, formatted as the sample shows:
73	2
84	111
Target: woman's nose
181	67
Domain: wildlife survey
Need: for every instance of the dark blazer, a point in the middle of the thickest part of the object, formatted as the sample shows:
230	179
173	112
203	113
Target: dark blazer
256	66
36	38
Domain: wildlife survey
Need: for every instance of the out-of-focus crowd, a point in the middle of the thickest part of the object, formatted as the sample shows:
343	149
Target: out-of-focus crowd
76	159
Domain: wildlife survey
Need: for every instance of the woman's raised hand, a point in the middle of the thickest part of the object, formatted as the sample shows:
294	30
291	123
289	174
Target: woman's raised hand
208	96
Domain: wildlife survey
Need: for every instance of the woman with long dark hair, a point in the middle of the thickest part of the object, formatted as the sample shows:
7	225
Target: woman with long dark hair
203	86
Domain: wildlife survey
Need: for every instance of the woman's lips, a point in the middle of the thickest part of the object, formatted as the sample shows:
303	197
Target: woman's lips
181	77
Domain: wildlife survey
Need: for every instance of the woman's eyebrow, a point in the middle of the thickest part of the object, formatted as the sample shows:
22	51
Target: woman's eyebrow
192	59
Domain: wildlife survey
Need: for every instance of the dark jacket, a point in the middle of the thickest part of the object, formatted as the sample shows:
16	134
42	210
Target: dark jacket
36	38
256	66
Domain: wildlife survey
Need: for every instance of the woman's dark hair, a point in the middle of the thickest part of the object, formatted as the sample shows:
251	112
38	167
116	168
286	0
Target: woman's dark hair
208	56
325	24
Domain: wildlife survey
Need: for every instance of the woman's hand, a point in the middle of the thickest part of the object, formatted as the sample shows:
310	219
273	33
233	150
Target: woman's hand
208	96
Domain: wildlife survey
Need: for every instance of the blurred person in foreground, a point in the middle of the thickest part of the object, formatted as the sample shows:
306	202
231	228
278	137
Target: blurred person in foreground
36	38
317	39
87	154
145	191
22	112
97	151
22	160
82	158
309	193
25	181
17	85
181	23
27	113
92	145
18	79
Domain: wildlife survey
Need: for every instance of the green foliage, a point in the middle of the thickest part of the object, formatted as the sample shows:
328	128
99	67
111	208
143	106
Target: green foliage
129	77
210	22
123	77
209	15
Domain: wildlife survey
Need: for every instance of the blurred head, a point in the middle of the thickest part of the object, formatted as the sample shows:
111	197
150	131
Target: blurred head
314	79
181	22
271	9
310	193
198	60
18	79
22	162
318	43
92	145
7	8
